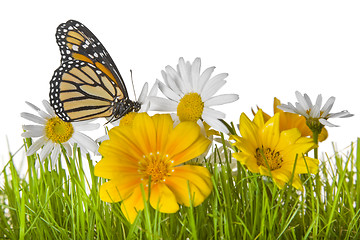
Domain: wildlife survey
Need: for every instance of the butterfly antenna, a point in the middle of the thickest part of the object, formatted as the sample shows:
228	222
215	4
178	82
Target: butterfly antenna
132	83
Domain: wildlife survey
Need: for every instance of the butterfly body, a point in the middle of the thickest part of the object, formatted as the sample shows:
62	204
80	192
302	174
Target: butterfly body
88	84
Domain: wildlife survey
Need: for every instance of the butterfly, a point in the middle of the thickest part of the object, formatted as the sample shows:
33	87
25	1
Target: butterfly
87	84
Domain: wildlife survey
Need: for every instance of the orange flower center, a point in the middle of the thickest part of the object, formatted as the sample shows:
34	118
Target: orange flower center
268	158
157	167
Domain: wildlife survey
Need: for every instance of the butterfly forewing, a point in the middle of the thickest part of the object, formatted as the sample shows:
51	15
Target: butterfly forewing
81	91
77	42
87	84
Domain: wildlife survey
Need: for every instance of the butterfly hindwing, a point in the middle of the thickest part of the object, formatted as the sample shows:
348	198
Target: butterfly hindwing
81	91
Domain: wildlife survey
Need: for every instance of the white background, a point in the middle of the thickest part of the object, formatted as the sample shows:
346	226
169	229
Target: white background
269	48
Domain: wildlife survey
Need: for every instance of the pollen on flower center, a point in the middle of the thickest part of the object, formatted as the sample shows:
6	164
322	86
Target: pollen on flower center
155	166
268	158
190	107
57	130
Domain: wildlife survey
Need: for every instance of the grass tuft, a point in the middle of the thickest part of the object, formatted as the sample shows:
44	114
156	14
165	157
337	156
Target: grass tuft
64	204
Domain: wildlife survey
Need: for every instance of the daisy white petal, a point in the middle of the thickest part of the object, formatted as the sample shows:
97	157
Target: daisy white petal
161	104
169	81
55	155
102	138
204	78
342	114
168	92
48	108
211	90
172	75
327	123
209	112
301	110
67	147
287	108
318	101
154	88
216	124
221	99
315	111
308	101
86	141
49	145
143	93
80	126
302	101
215	81
184	74
144	97
33	118
36	146
195	73
33	106
33	131
328	106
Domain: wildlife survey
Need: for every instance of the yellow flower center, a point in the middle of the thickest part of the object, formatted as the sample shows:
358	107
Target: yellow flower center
268	158
155	166
58	131
127	120
190	107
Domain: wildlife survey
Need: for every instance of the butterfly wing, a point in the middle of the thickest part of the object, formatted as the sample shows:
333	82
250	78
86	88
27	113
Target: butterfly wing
81	91
77	42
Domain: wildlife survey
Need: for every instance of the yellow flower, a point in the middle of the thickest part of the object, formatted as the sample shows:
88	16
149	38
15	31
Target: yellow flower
264	149
291	120
149	151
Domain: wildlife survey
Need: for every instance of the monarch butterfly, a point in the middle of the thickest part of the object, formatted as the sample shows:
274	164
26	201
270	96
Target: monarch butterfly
88	84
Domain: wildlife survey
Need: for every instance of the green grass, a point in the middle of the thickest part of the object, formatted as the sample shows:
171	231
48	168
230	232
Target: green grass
66	205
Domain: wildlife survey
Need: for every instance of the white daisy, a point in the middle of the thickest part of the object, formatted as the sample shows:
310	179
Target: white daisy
52	132
191	94
315	112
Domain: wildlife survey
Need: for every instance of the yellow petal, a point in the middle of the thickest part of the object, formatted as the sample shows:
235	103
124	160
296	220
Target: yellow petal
247	160
133	204
323	135
163	124
271	132
194	150
310	166
259	118
296	182
281	174
163	199
248	130
121	139
245	146
199	180
277	103
112	149
111	168
302	146
280	184
288	138
182	137
119	189
144	133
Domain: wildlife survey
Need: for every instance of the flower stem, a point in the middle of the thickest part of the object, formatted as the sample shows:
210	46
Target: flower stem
316	141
